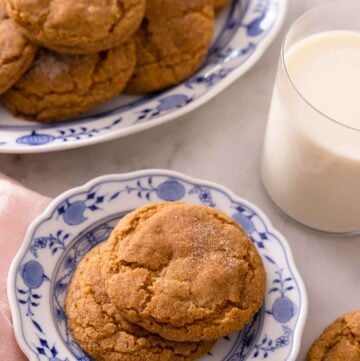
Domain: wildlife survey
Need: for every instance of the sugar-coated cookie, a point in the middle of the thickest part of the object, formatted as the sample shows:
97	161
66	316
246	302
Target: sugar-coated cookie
16	51
78	27
100	331
339	342
171	43
59	86
183	271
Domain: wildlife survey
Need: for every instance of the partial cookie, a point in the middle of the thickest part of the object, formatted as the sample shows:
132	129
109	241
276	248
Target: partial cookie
100	331
188	272
219	4
16	52
78	27
59	86
339	342
171	43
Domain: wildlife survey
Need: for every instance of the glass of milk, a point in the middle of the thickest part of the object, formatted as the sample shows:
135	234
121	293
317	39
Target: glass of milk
311	156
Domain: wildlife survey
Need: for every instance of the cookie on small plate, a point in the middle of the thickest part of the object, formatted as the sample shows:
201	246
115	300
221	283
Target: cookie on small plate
171	43
59	86
101	332
339	342
78	27
187	272
16	51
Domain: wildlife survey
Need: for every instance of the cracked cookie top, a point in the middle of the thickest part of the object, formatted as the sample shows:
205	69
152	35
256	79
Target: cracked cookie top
16	52
186	272
100	331
339	342
59	86
81	26
171	43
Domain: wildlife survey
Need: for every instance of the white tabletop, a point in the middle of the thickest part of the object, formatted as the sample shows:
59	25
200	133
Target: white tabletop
220	142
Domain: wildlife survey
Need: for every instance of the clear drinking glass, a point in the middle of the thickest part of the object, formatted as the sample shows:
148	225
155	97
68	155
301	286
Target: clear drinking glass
311	157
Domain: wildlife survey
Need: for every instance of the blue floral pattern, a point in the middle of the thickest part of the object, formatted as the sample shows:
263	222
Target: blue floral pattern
243	36
54	242
165	105
59	242
50	353
282	308
268	345
64	135
204	195
32	273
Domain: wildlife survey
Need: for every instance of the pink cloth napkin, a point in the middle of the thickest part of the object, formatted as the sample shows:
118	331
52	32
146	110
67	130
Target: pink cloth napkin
18	207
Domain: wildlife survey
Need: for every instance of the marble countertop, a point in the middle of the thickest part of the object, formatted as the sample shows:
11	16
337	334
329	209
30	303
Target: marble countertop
220	142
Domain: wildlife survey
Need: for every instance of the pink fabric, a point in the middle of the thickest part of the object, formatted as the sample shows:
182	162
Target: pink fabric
18	207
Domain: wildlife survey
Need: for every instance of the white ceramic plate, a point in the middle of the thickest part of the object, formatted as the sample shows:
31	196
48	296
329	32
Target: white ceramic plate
81	218
244	31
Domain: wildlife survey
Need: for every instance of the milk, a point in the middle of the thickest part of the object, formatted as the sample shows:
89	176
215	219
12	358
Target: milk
311	159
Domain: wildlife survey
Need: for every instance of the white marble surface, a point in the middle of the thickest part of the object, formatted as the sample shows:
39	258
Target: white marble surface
220	142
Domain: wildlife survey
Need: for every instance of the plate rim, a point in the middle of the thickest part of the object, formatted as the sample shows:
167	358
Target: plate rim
137	128
47	213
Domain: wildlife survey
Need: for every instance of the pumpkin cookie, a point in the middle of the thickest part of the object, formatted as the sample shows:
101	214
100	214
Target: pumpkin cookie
171	43
101	332
339	342
188	272
16	52
80	27
59	86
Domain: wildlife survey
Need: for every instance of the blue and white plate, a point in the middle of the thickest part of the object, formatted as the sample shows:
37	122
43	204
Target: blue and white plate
82	217
244	31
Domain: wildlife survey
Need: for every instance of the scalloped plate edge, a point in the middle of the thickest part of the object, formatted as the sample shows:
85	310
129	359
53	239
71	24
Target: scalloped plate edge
217	89
123	176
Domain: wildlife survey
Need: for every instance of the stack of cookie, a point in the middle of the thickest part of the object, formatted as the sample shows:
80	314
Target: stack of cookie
171	279
92	50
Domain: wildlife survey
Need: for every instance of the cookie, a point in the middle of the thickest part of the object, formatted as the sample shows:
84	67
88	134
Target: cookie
219	4
339	342
78	27
59	86
188	272
171	43
16	52
101	332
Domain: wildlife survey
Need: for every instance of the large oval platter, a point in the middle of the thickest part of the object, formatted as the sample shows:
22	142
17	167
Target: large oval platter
244	32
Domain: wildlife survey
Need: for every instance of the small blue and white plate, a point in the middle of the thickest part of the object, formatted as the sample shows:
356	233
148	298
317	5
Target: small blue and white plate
81	218
244	31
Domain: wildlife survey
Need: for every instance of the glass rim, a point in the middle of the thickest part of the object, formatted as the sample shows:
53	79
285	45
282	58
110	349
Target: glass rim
283	62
